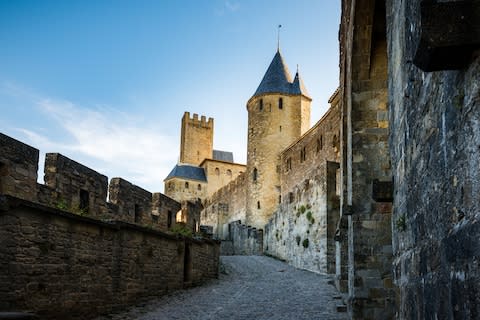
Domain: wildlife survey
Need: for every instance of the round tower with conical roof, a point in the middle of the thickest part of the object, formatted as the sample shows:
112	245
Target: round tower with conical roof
278	114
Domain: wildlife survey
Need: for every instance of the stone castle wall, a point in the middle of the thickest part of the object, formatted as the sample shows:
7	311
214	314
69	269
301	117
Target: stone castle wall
196	142
302	229
435	139
270	130
62	265
67	252
365	164
225	206
220	173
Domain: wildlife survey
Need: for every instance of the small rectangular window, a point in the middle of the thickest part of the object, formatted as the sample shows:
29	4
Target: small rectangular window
290	197
169	219
258	204
84	200
280	103
137	213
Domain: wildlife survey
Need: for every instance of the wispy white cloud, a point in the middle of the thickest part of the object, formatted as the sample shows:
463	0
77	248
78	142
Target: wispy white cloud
109	141
123	142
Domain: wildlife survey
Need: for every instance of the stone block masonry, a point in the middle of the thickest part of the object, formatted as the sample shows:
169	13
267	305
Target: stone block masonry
61	265
68	253
435	139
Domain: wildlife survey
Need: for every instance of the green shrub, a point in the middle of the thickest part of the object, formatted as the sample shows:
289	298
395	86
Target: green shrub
305	243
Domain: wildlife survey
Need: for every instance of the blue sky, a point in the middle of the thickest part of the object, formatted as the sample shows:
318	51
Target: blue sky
107	82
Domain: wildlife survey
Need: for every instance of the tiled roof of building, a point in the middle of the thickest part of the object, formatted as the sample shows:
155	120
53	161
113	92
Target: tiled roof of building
187	172
277	79
226	156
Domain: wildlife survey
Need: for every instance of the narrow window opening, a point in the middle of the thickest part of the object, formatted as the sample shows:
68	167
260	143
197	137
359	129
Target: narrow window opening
280	103
169	219
186	185
289	164
261	105
199	187
194	226
84	200
280	128
290	197
137	213
280	199
3	173
258	204
255	174
217	171
229	172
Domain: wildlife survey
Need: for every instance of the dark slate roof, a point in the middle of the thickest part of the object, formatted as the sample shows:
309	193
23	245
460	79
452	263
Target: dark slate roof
187	172
277	79
226	156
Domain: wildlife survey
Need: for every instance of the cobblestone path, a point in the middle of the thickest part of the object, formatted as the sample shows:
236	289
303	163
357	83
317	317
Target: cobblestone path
252	287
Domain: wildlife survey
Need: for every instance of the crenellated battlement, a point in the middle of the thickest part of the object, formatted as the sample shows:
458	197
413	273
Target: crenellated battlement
201	122
73	187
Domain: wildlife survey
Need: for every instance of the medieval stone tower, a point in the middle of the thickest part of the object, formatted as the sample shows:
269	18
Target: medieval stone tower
196	139
278	114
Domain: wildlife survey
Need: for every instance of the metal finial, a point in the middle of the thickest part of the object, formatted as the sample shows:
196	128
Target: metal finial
278	37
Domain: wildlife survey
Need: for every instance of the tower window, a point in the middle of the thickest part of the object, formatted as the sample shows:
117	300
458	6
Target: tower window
137	213
280	103
217	171
169	219
280	199
258	204
255	175
229	172
303	154
186	185
199	187
320	143
260	105
280	128
290	197
289	164
84	200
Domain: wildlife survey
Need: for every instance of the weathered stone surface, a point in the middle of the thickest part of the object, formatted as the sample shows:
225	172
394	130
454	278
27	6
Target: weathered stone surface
435	122
62	265
18	168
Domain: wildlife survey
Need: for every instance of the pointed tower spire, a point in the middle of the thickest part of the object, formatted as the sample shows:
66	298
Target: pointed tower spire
298	87
277	79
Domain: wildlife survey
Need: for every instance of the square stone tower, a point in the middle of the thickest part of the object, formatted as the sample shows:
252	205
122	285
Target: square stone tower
196	142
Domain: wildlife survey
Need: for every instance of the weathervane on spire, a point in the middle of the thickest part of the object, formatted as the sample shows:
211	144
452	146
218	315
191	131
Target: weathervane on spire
278	37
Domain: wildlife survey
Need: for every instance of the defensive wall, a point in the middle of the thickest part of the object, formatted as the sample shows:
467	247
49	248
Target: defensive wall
302	229
225	206
68	253
434	99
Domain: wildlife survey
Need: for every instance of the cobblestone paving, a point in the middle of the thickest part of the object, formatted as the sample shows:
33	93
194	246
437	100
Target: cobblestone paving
254	287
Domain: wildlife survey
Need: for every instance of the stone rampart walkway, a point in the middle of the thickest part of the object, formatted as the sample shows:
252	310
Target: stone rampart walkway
253	288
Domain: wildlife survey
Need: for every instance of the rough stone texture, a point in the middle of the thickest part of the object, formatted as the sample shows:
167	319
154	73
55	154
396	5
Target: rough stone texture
190	215
270	131
134	203
251	287
302	229
246	240
228	204
182	189
277	117
220	174
18	168
365	157
61	265
435	139
196	139
165	209
69	179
